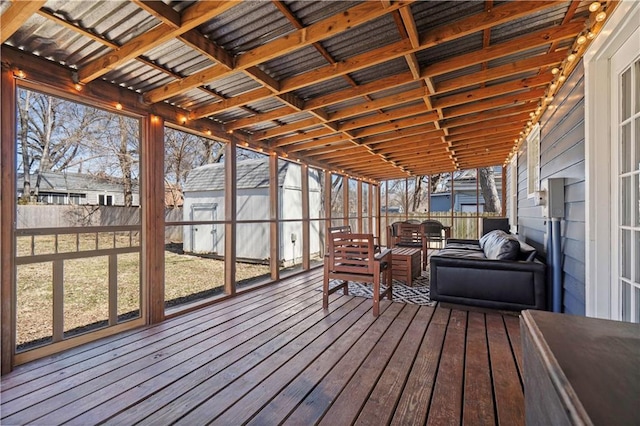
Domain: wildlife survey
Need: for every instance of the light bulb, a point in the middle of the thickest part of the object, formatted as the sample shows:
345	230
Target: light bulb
571	57
594	6
581	40
555	71
118	106
601	16
562	78
591	35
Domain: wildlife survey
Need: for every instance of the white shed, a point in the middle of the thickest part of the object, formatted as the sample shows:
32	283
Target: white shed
204	201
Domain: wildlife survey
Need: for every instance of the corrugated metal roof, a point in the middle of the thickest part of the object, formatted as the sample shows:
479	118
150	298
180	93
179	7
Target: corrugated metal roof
297	62
363	38
247	25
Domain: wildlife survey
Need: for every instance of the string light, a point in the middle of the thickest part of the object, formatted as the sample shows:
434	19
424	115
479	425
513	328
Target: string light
594	6
20	74
571	57
78	87
555	71
119	106
601	16
581	40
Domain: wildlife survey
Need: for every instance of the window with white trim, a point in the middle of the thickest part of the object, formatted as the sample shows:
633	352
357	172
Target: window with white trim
533	161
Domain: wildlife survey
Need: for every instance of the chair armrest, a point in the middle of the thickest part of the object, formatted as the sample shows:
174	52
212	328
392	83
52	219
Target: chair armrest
383	254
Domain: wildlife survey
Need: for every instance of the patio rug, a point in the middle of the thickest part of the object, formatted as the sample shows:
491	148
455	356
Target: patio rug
418	294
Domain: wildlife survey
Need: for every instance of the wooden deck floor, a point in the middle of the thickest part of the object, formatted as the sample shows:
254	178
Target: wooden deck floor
274	356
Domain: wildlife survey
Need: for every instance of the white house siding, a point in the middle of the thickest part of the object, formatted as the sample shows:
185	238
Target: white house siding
562	155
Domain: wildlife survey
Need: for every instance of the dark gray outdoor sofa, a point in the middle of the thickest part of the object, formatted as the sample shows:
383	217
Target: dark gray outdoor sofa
497	272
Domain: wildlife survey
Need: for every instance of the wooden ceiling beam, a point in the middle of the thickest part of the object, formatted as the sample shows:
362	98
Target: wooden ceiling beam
195	15
496	51
495	103
490	124
493	91
394	125
507	70
15	15
424	129
305	146
385	102
472	119
409	142
388	116
260	118
487	133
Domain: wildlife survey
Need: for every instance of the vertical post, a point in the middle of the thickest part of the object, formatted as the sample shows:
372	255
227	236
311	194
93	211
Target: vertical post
406	199
58	300
345	200
8	99
274	217
372	188
477	203
327	207
386	211
453	202
359	209
429	197
306	241
503	202
153	218
113	288
230	216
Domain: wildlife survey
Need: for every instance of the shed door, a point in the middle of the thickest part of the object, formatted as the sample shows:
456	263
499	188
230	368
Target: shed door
626	176
203	236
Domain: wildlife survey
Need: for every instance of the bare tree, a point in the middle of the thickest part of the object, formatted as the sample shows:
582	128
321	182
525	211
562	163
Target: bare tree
489	190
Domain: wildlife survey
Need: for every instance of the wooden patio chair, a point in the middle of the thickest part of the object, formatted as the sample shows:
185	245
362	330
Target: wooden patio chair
352	257
408	234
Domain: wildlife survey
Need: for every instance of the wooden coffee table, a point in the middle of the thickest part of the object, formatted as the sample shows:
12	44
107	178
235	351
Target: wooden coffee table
405	264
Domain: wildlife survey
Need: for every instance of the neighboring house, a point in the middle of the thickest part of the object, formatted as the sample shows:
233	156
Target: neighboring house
465	188
204	201
77	188
588	141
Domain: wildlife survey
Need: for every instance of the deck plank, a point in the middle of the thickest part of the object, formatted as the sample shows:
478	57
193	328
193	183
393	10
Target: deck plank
381	404
347	407
274	356
506	383
313	407
278	407
212	406
446	403
478	405
416	396
235	355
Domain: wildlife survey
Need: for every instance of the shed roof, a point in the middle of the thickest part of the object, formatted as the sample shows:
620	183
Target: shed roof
250	174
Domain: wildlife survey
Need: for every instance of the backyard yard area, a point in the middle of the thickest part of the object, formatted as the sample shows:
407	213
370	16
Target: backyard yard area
86	283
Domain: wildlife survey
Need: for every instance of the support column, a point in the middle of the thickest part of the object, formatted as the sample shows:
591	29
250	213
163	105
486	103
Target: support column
7	216
345	200
504	192
230	216
306	240
327	207
275	218
153	226
359	208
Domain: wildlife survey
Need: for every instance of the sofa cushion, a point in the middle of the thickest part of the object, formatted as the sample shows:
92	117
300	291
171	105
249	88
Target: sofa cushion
500	245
